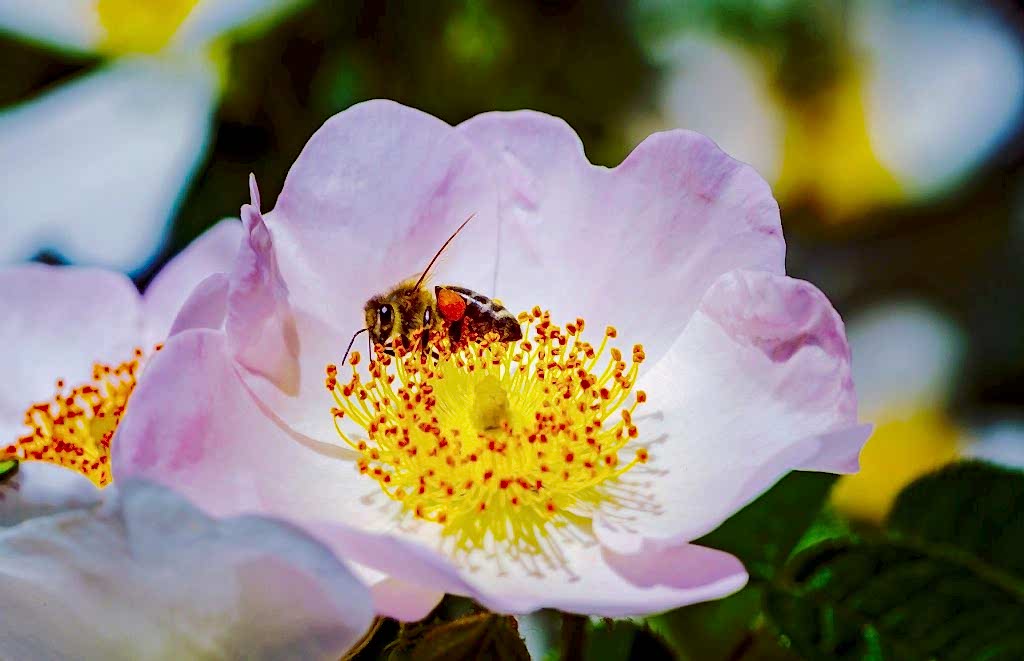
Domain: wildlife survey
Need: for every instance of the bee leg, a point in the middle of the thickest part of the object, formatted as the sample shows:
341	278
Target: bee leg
455	331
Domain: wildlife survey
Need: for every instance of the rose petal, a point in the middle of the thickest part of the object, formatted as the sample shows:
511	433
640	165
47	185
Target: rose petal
758	384
219	449
635	246
206	306
213	252
150	577
104	179
39	489
608	584
375	193
57	322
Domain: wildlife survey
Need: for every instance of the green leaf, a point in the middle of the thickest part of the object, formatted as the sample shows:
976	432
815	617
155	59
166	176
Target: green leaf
481	636
622	640
972	506
8	469
946	583
764	532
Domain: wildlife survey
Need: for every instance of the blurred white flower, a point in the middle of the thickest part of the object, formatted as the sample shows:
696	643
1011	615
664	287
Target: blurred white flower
94	169
1000	442
148	576
925	92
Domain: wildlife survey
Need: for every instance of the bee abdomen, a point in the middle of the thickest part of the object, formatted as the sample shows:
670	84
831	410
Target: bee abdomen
459	305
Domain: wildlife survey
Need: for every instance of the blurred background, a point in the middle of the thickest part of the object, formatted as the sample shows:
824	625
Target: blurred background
890	131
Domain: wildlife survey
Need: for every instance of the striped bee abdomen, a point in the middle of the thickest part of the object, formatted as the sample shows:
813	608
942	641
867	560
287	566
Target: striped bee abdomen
465	310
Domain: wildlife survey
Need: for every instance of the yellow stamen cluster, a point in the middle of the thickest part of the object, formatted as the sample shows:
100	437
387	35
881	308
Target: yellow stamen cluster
499	443
74	429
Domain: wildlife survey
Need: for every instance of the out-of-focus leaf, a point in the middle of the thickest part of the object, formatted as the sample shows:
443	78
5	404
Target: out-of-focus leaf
764	532
710	630
476	637
945	584
974	507
8	469
622	640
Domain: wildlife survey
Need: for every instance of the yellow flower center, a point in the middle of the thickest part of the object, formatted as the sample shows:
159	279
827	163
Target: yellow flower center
140	26
74	429
499	443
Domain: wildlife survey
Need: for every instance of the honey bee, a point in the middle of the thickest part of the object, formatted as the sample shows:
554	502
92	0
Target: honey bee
410	308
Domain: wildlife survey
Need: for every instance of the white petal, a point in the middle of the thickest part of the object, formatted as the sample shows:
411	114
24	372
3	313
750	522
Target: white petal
906	355
211	18
946	87
999	443
151	577
39	489
104	160
69	24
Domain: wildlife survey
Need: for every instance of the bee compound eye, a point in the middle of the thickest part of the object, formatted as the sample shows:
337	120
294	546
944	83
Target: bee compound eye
427	316
384	314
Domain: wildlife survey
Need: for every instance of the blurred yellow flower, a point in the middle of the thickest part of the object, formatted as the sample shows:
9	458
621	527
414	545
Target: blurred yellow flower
827	155
887	125
140	26
900	450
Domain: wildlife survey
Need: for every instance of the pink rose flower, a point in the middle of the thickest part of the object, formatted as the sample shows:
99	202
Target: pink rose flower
572	470
59	324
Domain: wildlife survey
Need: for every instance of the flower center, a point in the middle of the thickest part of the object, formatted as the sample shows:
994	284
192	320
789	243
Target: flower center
497	442
140	26
74	429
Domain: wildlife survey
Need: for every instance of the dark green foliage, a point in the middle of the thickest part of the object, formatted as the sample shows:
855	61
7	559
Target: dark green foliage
946	583
622	640
764	532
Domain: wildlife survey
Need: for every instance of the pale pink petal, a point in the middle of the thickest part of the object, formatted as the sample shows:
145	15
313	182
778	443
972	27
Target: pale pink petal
220	450
217	447
260	321
149	576
213	252
205	307
56	322
635	246
603	583
39	489
757	385
374	194
408	602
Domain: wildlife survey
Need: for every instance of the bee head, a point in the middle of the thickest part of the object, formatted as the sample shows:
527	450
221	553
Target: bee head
380	319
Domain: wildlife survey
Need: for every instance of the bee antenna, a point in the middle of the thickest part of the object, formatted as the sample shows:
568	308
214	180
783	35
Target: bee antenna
445	245
351	342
